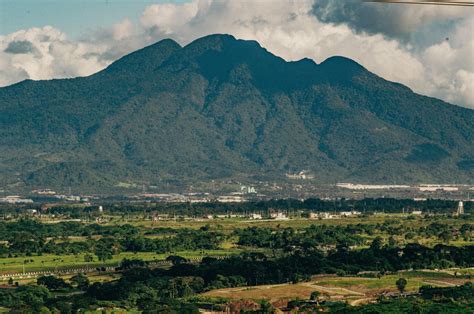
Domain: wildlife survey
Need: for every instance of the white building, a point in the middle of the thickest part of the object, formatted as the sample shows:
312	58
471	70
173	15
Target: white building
351	213
460	209
437	187
302	175
352	186
230	199
255	216
313	215
278	216
248	190
15	199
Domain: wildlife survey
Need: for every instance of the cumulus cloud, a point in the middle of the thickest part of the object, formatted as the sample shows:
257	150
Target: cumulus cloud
393	20
292	29
45	53
450	66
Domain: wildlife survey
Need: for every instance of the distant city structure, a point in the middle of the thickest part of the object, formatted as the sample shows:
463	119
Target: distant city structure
255	216
438	187
352	186
351	213
230	199
278	216
460	209
44	192
248	189
15	199
302	175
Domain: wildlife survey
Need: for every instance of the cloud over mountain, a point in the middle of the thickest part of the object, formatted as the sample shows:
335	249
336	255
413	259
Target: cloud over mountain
399	43
392	20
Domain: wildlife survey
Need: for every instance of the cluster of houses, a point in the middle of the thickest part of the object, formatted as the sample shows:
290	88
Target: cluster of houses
279	215
15	199
338	215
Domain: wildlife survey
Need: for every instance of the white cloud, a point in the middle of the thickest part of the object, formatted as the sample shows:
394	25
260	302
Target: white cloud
450	66
287	28
168	17
51	56
123	30
393	20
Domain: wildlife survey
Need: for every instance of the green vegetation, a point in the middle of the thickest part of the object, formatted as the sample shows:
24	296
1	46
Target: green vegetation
219	108
184	265
401	284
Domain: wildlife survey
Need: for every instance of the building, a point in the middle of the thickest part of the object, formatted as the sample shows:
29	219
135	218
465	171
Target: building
278	216
351	213
15	199
230	199
255	216
302	175
313	216
44	192
460	210
352	186
247	190
437	187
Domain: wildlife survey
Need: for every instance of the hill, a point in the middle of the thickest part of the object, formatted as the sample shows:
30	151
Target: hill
227	108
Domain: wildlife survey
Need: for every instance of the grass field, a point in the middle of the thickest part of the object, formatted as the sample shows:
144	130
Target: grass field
356	290
56	262
227	225
230	224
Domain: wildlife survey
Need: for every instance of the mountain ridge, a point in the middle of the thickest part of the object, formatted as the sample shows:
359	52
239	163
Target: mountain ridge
221	107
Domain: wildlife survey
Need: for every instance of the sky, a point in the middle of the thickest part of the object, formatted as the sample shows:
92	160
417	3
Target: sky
428	48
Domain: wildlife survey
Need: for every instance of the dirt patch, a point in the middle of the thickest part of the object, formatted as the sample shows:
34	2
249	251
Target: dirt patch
268	292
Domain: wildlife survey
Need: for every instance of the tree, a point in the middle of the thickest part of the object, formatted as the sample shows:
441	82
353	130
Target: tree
30	298
445	236
392	242
80	281
103	252
377	243
176	259
401	284
315	296
266	307
52	282
88	258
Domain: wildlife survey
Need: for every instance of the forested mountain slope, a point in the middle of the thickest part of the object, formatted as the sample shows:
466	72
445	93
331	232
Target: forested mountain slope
222	108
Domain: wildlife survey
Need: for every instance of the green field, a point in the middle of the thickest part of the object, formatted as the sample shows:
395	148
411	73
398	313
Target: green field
56	262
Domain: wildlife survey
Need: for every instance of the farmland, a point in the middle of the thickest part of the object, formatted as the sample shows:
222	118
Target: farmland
105	260
355	290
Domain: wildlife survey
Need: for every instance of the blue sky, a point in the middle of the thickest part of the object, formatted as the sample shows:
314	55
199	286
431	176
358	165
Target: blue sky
77	18
428	48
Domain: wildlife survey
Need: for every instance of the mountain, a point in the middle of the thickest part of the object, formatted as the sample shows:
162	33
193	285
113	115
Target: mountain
226	108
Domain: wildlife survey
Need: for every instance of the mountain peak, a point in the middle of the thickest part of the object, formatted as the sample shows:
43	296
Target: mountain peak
145	59
222	107
342	62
